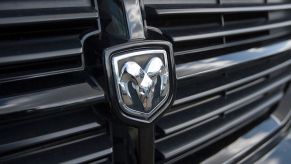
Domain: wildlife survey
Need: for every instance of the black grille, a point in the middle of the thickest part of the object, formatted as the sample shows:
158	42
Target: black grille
75	134
47	93
43	37
233	67
197	28
232	62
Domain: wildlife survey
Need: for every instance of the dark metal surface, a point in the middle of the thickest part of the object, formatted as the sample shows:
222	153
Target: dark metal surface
167	9
279	154
47	89
191	69
219	92
146	145
282	115
76	94
283	65
176	122
182	143
245	142
132	145
187	35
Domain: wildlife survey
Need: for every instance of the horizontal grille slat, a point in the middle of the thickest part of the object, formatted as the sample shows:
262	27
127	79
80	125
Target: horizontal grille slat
19	12
191	69
232	66
53	133
29	17
229	81
13	52
262	131
44	38
236	44
43	131
39	4
60	97
193	115
177	9
187	34
50	54
88	149
185	140
199	27
50	100
46	138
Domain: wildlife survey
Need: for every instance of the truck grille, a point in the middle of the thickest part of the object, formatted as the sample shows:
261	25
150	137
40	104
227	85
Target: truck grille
198	27
233	68
46	91
232	64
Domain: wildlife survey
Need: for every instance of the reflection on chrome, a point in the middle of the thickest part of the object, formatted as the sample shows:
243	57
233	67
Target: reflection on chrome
134	19
143	82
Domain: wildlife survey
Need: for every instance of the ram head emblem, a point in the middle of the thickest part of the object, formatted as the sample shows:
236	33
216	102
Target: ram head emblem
146	87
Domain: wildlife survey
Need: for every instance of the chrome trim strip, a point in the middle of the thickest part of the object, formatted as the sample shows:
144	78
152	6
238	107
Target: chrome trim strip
134	19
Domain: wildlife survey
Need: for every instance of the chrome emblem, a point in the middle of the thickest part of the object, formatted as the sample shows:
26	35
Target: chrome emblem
142	81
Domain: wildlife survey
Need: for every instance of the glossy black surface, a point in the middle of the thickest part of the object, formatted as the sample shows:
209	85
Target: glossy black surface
188	35
191	69
205	35
43	132
47	88
60	97
280	153
168	9
195	114
233	68
245	142
282	116
216	129
132	145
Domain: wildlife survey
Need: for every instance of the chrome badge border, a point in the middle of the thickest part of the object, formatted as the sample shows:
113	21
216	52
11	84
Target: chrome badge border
110	81
116	79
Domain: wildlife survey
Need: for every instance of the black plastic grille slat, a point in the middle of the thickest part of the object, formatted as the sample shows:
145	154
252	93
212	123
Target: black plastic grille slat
193	115
20	52
248	73
19	12
40	38
46	137
186	140
186	34
187	123
34	52
192	27
232	64
38	4
47	96
191	69
44	130
70	95
85	150
174	9
261	130
47	16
